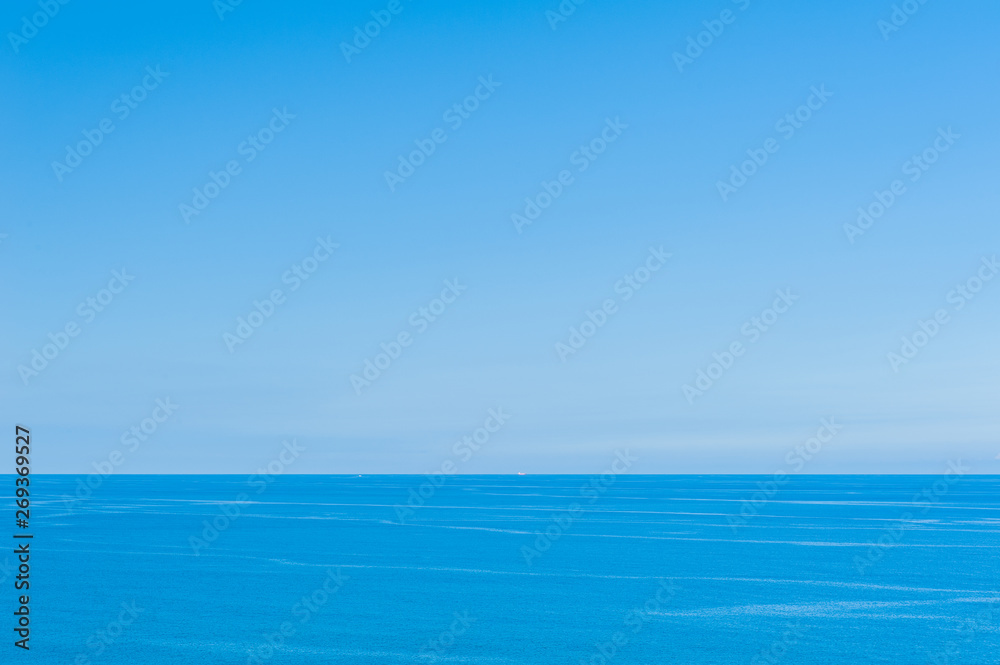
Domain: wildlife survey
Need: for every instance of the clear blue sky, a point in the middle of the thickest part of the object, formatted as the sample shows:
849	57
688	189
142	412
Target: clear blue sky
609	68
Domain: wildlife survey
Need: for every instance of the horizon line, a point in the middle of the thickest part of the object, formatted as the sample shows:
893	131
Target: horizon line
513	475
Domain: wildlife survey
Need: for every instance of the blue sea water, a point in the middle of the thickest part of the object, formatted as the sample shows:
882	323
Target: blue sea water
628	569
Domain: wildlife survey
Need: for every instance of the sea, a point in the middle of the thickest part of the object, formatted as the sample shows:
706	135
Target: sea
518	570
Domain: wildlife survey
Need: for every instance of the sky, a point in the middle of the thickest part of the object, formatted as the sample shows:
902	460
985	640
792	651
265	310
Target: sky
501	237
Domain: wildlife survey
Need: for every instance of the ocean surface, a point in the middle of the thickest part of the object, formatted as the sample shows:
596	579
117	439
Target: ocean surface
512	570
